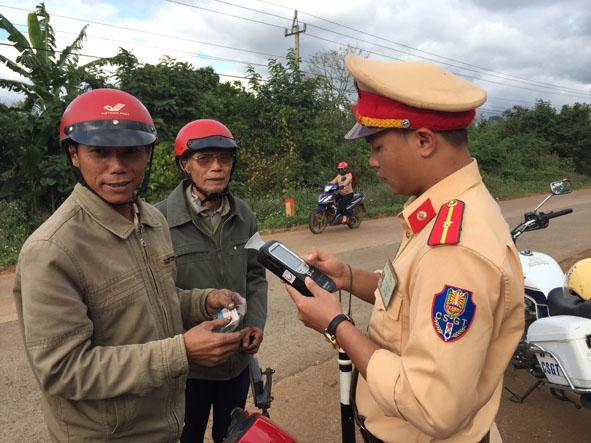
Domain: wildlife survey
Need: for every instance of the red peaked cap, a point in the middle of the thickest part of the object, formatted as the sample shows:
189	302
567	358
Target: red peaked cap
377	111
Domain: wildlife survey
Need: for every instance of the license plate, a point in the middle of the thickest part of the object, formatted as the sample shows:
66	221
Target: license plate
550	367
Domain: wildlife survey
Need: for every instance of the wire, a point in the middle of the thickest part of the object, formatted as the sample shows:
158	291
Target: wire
523	84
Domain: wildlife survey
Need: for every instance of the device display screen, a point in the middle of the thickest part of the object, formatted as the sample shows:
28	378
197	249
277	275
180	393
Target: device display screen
287	257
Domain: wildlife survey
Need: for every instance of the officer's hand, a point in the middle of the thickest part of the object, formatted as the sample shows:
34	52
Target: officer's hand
330	265
205	347
222	298
318	311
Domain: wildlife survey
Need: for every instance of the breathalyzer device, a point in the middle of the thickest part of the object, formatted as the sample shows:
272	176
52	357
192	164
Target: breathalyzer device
288	266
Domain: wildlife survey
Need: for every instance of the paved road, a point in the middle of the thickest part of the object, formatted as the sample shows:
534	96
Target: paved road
305	364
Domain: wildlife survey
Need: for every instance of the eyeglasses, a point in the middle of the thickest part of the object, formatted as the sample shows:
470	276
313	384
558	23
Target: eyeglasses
206	159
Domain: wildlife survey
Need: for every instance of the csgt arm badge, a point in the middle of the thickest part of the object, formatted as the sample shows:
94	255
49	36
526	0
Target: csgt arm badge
452	312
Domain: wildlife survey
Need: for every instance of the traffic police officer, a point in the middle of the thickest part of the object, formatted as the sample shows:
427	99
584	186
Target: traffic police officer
448	305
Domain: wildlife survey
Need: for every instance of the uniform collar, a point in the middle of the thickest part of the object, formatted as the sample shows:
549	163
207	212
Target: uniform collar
419	211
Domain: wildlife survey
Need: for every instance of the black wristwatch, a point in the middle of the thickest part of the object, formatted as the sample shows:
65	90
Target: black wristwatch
331	329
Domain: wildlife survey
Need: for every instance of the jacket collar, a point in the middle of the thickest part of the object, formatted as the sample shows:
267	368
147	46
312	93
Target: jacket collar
419	211
178	208
107	216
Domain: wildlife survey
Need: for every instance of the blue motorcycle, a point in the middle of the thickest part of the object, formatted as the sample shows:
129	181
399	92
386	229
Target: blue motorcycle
326	213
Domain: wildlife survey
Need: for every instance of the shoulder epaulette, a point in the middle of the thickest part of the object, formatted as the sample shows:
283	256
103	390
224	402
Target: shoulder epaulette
448	224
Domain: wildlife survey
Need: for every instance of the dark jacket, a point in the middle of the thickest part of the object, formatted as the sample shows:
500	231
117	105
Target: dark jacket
200	262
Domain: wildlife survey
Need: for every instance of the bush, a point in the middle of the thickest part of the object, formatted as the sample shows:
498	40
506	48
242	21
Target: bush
13	230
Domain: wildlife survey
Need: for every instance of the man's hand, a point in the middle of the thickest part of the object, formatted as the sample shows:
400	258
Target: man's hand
205	347
252	340
224	298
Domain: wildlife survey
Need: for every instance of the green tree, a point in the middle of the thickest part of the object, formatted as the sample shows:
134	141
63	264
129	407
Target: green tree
50	79
573	136
176	93
287	146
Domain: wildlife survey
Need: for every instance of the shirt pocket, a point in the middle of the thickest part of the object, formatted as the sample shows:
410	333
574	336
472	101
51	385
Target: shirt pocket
236	247
120	413
387	322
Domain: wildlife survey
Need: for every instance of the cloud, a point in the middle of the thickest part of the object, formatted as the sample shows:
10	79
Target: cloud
519	51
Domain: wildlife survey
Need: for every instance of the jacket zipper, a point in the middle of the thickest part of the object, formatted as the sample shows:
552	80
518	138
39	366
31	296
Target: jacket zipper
139	229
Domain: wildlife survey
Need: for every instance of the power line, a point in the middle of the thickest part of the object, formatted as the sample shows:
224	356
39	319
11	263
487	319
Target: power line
472	67
558	90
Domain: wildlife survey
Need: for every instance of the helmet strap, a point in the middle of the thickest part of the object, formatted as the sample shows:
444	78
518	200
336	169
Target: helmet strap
216	196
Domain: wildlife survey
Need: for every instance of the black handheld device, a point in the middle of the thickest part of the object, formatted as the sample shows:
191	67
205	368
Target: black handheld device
291	268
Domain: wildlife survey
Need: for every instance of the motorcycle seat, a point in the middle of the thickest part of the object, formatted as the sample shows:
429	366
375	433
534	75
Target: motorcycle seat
559	304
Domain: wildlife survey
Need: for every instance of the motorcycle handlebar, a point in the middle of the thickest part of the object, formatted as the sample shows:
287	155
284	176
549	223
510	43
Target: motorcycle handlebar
553	214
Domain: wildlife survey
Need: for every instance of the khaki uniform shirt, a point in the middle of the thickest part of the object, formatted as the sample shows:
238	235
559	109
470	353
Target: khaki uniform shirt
453	321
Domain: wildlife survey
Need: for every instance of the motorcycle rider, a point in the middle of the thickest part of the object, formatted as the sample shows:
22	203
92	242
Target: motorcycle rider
345	181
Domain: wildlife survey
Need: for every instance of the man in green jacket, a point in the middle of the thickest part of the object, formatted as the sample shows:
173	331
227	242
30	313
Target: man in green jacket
101	317
209	228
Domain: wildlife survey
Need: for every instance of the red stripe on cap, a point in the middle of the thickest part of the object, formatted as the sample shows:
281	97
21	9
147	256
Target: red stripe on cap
381	112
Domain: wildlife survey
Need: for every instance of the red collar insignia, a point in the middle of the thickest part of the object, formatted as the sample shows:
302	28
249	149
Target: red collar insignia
421	216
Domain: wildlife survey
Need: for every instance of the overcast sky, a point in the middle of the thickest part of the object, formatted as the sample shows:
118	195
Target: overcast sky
520	51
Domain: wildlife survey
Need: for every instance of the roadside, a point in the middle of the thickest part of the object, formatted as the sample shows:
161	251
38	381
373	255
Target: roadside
306	387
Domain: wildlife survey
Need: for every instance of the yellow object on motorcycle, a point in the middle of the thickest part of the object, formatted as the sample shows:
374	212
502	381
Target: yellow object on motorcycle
578	279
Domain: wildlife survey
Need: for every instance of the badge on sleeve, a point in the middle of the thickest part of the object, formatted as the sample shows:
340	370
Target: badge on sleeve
452	312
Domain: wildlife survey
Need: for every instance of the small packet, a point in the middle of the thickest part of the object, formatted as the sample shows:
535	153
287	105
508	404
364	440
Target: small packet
234	319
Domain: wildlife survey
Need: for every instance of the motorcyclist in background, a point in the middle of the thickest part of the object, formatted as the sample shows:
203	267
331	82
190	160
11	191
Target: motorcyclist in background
345	179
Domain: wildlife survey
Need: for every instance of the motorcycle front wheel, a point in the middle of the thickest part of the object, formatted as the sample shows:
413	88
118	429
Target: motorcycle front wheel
317	221
355	220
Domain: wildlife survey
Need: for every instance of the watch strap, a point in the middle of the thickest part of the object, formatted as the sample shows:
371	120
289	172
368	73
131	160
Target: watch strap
331	329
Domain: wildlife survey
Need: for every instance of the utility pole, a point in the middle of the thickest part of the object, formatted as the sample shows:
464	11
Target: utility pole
295	30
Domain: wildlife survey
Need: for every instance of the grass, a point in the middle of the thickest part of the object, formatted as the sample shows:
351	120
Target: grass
380	202
271	214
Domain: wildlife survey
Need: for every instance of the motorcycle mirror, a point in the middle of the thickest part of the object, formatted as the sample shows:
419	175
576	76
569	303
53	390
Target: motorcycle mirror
561	187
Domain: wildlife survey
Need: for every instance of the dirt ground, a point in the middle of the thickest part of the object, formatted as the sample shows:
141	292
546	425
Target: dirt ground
306	404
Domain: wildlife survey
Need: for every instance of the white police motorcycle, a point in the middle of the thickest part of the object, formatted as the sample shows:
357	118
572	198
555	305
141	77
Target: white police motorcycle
556	346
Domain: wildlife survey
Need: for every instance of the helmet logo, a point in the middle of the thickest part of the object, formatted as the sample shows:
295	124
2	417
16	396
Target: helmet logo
115	108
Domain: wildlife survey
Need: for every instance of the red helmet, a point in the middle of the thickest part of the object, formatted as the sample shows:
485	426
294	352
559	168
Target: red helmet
202	134
107	117
342	167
